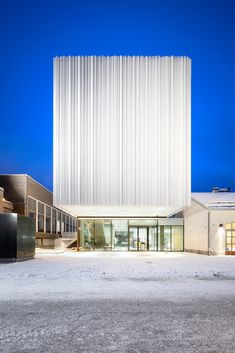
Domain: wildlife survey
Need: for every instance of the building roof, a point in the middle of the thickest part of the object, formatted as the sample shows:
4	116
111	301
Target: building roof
27	176
215	200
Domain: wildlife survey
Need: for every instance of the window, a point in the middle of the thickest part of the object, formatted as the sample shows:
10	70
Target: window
71	225
31	204
58	226
40	217
62	222
48	219
53	221
134	235
87	238
120	234
230	237
177	238
66	223
32	208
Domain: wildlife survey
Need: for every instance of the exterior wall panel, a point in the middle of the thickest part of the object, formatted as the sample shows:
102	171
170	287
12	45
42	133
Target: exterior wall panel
217	233
38	192
122	133
14	186
196	229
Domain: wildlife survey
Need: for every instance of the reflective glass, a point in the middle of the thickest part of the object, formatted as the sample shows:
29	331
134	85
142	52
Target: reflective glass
228	240
31	204
58	226
87	234
143	231
167	238
48	211
32	214
48	225
120	234
152	238
103	234
164	238
177	238
106	234
41	208
54	226
228	226
133	238
40	223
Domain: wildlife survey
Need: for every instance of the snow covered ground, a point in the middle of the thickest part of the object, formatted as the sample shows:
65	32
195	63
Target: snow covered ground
179	276
118	302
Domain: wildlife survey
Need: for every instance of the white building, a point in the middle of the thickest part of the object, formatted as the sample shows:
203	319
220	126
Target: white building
122	149
209	224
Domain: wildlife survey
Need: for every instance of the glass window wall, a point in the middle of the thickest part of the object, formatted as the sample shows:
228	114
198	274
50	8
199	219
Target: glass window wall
58	224
177	238
53	221
120	234
87	234
135	235
152	239
230	237
133	238
40	217
48	219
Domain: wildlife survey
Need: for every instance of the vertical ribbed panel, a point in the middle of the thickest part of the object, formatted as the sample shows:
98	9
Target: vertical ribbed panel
122	131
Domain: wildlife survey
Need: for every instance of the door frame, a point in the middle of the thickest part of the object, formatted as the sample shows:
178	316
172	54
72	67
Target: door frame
138	241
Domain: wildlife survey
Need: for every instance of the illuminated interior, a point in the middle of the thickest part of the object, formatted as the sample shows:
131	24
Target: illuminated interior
130	234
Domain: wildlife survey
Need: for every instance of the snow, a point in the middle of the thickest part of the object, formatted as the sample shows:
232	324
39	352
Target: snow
96	275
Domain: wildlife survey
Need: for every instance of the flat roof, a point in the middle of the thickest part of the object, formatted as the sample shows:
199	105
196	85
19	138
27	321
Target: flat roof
27	176
215	200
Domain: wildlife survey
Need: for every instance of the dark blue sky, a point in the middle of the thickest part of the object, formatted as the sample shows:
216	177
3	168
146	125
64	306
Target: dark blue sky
33	32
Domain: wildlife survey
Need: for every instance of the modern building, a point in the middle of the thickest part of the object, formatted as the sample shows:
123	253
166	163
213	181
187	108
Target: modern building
209	224
5	205
25	196
122	150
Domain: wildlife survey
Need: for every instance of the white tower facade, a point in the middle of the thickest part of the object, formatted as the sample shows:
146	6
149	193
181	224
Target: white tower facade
122	135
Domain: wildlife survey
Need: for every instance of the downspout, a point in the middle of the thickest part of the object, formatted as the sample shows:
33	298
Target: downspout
78	233
208	232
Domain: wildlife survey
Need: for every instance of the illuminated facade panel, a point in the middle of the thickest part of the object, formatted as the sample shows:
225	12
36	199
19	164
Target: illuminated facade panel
122	135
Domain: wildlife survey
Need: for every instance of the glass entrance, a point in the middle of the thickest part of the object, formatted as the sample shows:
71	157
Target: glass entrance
133	238
142	238
137	235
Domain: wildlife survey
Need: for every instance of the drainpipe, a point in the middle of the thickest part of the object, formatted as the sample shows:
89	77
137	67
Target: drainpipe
208	232
78	233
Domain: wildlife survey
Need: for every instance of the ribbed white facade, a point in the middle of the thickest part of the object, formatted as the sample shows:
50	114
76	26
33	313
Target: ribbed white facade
122	135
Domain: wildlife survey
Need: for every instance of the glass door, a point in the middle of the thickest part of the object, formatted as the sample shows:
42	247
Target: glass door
138	238
143	238
152	238
164	238
133	238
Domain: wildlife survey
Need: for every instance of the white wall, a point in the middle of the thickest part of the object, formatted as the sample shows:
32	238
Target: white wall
217	234
196	224
196	228
122	132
